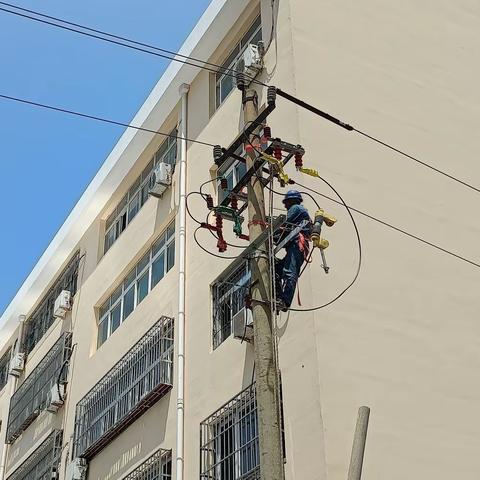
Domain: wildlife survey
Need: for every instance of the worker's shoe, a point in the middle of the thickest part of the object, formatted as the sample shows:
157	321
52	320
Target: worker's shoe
280	306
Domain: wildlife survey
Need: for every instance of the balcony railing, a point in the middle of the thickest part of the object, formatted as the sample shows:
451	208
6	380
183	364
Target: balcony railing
34	394
132	386
157	467
229	440
43	463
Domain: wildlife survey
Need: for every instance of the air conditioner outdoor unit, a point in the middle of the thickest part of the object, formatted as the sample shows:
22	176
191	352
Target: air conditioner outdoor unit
161	179
76	469
252	60
57	395
17	363
242	325
62	304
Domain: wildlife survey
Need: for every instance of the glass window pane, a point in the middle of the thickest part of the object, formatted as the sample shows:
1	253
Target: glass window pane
110	220
129	278
144	192
171	230
103	309
158	245
115	295
143	262
226	86
115	317
147	170
142	287
129	302
102	332
158	269
133	189
122	203
133	207
170	256
240	171
250	35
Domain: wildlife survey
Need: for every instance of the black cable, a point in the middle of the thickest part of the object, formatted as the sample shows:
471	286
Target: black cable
188	209
101	119
225	71
216	237
348	127
397	229
120	43
359	242
207	251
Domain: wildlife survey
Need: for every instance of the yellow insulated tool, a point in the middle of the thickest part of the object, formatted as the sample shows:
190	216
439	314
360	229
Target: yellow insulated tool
279	164
322	217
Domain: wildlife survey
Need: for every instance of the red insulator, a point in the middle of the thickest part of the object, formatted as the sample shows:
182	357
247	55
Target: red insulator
298	160
219	222
277	153
234	203
267	132
222	245
209	200
224	183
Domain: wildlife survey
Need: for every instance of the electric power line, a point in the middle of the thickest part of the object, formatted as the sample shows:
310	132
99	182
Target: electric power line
100	119
120	41
393	227
202	64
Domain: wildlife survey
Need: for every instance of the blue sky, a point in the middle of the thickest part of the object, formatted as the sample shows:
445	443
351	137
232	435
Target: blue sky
47	159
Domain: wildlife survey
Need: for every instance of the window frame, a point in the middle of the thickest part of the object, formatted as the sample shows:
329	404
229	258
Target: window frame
222	320
143	266
232	59
4	367
125	211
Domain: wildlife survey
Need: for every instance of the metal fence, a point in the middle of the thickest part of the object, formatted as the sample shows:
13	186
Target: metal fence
42	318
132	386
4	366
43	463
228	299
34	394
156	467
229	440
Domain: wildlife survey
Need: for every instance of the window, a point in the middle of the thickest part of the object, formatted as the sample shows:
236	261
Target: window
34	394
44	462
233	171
42	318
229	440
228	299
133	385
224	81
148	271
4	366
137	195
157	467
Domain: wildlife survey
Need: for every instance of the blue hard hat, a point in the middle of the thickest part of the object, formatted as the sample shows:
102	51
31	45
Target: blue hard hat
293	195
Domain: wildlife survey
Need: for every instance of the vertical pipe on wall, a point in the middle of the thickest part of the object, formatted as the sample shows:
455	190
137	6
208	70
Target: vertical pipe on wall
182	219
12	387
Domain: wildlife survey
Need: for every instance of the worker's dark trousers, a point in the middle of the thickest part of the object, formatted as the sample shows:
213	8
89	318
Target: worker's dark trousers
286	273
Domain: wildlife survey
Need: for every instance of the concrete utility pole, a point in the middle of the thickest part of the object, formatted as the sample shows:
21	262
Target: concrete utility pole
269	430
358	448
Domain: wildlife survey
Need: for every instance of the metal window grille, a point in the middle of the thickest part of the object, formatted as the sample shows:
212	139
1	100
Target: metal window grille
4	366
136	285
137	195
133	385
225	83
156	467
229	440
42	318
34	394
44	462
228	299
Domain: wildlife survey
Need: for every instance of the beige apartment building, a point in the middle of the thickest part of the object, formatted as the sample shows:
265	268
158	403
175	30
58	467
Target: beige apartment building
102	386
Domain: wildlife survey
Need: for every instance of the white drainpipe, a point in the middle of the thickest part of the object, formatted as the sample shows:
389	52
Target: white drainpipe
182	214
13	385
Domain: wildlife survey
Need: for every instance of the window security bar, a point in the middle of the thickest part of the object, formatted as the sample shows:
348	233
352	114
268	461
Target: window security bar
42	318
157	467
34	394
44	461
133	385
228	299
229	440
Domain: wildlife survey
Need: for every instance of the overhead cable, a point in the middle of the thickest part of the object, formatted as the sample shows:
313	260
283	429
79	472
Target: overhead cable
120	41
393	227
100	119
350	128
